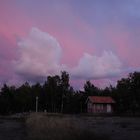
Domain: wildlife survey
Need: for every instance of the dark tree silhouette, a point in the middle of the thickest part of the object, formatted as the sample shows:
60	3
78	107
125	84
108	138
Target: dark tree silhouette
56	95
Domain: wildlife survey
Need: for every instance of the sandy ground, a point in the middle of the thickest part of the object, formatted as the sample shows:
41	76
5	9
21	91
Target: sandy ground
115	128
11	129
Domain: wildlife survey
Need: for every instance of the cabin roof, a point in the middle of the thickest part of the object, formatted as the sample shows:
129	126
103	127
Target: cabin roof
101	99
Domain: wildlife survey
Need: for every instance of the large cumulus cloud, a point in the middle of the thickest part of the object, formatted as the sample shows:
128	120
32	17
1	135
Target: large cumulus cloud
39	55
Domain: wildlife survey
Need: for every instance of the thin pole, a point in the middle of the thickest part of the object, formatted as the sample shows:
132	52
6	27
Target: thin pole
36	103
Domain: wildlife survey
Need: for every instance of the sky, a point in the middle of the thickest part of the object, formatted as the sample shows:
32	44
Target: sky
95	40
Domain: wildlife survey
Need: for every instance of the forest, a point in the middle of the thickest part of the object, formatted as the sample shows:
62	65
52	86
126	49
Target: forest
56	95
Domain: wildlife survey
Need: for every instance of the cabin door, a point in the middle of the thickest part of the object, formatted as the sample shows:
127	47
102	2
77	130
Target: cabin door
108	108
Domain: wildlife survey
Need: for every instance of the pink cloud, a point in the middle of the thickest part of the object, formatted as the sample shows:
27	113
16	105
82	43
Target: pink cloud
75	35
75	41
13	21
123	43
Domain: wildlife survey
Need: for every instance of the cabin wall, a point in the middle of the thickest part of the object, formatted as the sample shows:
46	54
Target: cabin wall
99	108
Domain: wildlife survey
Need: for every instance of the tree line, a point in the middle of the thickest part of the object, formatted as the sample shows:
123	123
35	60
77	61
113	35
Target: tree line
56	95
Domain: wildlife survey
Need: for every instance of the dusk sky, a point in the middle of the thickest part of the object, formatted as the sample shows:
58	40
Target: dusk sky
97	40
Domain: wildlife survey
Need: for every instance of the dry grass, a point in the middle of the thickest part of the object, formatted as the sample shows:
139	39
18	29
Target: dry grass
58	127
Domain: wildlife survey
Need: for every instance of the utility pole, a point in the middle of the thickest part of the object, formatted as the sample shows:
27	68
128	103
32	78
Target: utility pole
36	103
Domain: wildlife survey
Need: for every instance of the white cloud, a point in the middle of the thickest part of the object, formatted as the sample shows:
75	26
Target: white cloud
91	67
39	55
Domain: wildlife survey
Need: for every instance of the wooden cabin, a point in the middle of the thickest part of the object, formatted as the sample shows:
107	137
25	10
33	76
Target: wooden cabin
100	104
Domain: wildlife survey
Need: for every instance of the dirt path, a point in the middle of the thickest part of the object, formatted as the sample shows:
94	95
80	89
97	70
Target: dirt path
12	130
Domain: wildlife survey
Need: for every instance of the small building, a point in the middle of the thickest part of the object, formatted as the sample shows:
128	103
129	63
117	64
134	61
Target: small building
100	104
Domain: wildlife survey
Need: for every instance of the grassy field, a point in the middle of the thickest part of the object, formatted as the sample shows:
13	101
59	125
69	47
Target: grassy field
43	126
